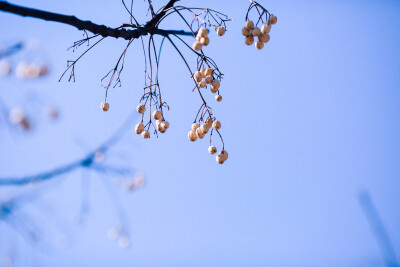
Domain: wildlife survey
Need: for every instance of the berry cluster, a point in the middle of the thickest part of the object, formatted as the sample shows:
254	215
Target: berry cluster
162	125
204	77
203	39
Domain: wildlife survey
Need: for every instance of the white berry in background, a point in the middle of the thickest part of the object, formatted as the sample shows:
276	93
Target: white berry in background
192	136
202	84
264	38
209	72
259	45
205	41
256	31
139	128
220	159
105	106
249	40
157	115
141	109
197	46
245	31
209	79
203	32
212	150
197	76
266	28
220	30
216	124
16	115
146	134
200	133
249	24
218	98
273	19
5	67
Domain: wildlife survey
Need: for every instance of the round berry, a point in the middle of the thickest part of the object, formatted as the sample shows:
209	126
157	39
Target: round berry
265	29
197	76
220	159
157	115
205	41
249	24
208	122
245	31
165	124
273	19
259	45
139	128
203	73
220	30
200	133
192	136
209	72
146	134
195	126
204	128
212	150
141	109
203	32
209	79
249	40
218	98
216	124
215	84
256	31
225	154
197	46
105	106
264	38
202	84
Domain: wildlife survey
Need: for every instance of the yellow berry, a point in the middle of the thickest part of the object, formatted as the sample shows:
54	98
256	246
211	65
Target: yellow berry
200	134
216	124
218	98
259	45
197	76
141	109
264	38
212	150
220	30
220	159
105	106
146	134
249	40
157	115
245	31
265	29
139	128
249	24
195	126
192	136
197	46
273	19
209	72
203	32
209	79
256	31
202	84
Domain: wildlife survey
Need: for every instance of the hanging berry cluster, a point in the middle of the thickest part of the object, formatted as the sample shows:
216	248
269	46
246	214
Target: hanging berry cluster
251	31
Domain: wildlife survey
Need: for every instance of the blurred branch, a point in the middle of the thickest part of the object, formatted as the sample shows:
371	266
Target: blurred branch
140	30
378	228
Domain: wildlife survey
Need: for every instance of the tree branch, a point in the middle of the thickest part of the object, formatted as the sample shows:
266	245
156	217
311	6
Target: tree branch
149	27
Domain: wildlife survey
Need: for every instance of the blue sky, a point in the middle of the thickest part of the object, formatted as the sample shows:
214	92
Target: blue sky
309	122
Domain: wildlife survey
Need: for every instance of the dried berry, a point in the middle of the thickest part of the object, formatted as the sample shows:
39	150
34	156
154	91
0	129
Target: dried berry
249	40
139	128
192	136
205	41
245	31
203	73
259	45
220	30
195	126
197	76
157	115
220	159
265	29
204	128
209	72
218	98
225	154
209	79
249	24
141	109
146	134
200	133
256	31
264	38
165	125
215	84
197	46
105	106
212	150
273	19
203	32
202	84
216	124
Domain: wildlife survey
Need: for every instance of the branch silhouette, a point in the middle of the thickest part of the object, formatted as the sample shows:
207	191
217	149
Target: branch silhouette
120	32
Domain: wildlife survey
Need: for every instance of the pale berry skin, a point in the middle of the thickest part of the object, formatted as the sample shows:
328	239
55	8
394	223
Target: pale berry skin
203	73
203	32
197	46
205	41
213	89
192	136
197	76
273	19
209	79
165	124
249	24
220	159
218	98
212	150
146	134
204	128
249	40
209	72
139	128
216	124
256	31
225	154
216	84
266	28
195	126
208	122
200	133
141	109
259	45
245	32
264	38
157	115
220	30
202	84
105	106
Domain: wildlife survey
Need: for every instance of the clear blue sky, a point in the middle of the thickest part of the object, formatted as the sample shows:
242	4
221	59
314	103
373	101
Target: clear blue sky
309	122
